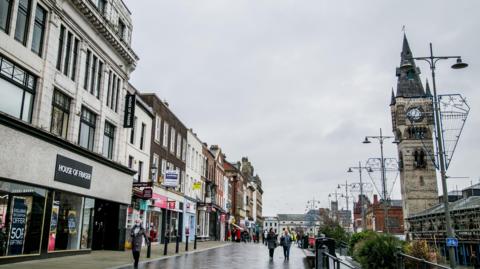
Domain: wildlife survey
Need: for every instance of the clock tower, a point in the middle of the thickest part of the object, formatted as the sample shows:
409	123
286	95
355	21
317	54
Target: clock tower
413	127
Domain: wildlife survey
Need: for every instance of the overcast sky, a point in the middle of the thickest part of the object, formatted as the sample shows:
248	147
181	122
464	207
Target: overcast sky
295	85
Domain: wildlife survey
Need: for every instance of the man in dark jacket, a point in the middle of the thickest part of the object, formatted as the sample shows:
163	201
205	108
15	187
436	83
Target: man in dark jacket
136	235
271	242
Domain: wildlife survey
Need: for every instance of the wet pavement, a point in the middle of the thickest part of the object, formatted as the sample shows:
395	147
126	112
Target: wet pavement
234	256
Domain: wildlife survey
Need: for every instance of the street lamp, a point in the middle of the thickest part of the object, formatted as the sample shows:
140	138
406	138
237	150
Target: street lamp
360	168
432	60
380	139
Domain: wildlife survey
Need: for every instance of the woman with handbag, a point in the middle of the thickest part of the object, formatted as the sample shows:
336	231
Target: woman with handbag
136	235
271	242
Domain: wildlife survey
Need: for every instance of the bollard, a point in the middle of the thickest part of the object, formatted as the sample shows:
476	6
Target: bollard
176	245
186	244
165	247
149	249
195	243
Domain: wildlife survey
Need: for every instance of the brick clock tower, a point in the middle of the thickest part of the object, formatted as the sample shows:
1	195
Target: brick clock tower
413	126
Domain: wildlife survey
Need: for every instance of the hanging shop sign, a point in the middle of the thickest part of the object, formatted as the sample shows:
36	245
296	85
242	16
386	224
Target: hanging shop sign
73	172
129	110
197	185
171	179
142	184
147	193
17	230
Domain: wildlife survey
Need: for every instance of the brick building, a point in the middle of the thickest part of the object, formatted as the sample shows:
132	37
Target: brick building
375	215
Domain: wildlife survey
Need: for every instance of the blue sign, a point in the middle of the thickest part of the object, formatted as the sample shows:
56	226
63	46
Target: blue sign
452	242
17	228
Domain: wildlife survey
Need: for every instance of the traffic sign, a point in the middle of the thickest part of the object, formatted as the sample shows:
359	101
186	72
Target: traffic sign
452	242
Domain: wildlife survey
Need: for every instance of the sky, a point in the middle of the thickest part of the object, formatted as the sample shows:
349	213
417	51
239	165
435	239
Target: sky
296	85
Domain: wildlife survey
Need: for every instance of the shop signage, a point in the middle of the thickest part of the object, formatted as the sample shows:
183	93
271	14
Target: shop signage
197	185
73	172
129	110
160	200
172	204
147	193
171	179
142	184
17	230
452	242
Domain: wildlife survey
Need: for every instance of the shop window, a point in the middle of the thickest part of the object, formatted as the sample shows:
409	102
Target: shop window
65	222
87	129
39	30
23	16
60	114
5	14
17	90
87	223
108	138
22	211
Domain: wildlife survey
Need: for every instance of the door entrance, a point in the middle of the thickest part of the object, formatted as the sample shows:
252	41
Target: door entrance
108	226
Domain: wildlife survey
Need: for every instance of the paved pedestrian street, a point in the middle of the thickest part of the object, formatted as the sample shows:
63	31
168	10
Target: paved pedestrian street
233	256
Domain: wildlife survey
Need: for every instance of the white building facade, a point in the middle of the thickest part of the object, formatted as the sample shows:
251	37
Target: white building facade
194	185
64	67
270	223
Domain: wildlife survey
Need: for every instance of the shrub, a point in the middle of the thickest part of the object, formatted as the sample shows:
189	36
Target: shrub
377	251
357	237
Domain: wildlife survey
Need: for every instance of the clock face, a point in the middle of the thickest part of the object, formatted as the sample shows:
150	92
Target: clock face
415	114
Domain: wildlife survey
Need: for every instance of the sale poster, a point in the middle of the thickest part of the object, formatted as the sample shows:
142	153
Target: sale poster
72	222
17	229
53	228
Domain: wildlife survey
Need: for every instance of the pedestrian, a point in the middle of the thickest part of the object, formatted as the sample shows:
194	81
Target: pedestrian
136	235
286	242
474	261
265	233
257	234
271	242
239	236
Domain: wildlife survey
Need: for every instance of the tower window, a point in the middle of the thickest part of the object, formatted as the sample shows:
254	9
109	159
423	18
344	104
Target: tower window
422	181
420	159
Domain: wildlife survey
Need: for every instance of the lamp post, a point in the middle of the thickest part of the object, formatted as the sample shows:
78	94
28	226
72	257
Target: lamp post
346	195
380	139
360	168
312	205
432	60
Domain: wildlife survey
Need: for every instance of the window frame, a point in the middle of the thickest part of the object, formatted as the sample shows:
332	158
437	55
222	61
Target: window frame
64	109
91	123
9	17
109	134
142	136
158	129
27	15
42	26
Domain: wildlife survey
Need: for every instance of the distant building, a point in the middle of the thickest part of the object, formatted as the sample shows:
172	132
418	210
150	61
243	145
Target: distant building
375	215
270	223
307	223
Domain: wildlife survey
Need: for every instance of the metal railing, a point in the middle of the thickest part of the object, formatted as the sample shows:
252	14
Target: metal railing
332	262
416	263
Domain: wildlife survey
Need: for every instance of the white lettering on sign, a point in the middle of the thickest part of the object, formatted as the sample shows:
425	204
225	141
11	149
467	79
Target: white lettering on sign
75	172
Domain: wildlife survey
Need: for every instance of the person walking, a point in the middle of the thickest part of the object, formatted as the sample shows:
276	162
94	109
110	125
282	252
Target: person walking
264	238
271	242
136	235
474	261
286	242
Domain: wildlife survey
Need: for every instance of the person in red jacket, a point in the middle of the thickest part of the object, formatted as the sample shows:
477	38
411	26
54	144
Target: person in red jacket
239	236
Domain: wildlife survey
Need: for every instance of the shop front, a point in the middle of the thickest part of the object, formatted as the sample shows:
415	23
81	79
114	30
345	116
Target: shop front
202	222
55	198
155	213
189	219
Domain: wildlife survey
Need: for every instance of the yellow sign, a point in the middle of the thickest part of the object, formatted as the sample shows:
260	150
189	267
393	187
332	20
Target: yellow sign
197	185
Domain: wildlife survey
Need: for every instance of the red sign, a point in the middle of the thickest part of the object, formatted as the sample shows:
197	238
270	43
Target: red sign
147	193
160	201
171	204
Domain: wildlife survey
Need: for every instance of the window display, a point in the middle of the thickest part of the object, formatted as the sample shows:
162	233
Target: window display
64	222
22	210
87	227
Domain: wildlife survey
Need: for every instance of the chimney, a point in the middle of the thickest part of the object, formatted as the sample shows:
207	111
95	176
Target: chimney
375	199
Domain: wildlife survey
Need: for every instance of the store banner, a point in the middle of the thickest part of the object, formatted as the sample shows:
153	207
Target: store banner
53	226
73	172
160	200
18	226
129	115
171	179
72	222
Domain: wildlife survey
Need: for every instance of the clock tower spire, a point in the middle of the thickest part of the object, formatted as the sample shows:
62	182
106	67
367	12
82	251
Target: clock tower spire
412	122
